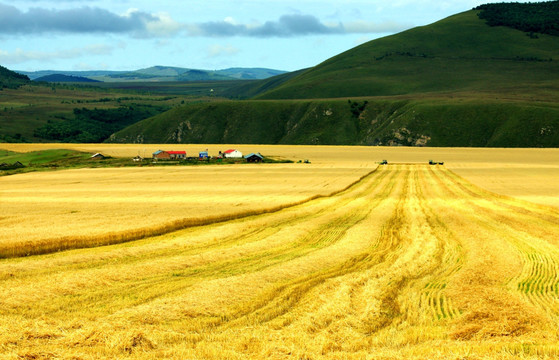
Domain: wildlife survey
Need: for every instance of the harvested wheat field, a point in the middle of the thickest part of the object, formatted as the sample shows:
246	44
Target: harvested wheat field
349	261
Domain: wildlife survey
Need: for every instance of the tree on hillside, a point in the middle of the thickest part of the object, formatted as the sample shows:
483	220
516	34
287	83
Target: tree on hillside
541	17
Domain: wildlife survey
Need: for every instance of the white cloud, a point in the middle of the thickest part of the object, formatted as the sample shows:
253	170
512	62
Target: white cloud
163	25
230	20
85	20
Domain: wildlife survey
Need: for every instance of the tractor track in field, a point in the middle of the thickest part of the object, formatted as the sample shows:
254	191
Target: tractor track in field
410	253
51	245
532	231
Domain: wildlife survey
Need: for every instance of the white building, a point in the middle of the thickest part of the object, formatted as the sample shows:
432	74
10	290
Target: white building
231	153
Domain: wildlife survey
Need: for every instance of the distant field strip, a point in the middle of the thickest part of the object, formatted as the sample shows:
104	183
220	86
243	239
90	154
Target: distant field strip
409	260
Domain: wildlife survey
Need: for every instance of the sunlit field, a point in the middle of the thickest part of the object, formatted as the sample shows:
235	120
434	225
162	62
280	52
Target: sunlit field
341	258
44	211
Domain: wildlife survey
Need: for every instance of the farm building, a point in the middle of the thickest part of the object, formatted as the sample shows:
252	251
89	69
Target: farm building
98	156
161	155
169	155
254	158
232	153
177	154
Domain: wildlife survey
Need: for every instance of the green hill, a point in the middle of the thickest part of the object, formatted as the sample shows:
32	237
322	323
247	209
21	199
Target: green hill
431	122
457	82
65	78
459	53
473	79
10	79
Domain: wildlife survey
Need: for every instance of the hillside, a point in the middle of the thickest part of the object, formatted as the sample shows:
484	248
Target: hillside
65	78
431	122
542	18
459	53
462	81
10	79
457	82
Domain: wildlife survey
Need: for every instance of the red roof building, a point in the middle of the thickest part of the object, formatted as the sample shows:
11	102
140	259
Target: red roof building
177	154
231	153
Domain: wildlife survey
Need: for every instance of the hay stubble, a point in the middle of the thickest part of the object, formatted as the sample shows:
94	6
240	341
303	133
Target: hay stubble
411	261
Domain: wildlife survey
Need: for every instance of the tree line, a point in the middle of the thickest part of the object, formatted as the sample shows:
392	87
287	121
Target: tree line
95	125
540	17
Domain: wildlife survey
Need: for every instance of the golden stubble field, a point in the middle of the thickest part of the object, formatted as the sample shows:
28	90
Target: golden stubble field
336	259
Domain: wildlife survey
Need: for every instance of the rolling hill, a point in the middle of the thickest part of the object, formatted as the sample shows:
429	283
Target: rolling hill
478	78
10	79
392	122
457	82
459	53
65	78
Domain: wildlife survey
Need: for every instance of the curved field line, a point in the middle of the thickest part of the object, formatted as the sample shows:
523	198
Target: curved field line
533	232
278	246
51	245
451	253
410	255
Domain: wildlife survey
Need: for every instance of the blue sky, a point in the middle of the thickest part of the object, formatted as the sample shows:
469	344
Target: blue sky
200	34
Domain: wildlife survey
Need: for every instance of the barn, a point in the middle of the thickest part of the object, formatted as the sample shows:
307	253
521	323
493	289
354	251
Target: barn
232	153
254	158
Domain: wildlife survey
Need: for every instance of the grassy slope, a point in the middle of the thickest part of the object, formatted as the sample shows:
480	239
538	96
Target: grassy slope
458	53
10	79
467	84
442	122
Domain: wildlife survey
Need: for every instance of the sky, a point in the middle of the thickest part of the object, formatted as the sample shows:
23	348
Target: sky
201	34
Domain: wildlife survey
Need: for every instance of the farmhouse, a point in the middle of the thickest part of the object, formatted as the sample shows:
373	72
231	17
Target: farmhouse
254	158
169	155
177	154
232	153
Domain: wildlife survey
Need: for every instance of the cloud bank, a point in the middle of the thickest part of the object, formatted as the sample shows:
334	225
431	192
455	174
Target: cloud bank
286	26
79	20
90	20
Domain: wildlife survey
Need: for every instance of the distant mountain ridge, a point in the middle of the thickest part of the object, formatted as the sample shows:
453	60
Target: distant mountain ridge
162	73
